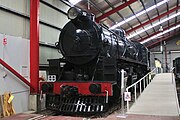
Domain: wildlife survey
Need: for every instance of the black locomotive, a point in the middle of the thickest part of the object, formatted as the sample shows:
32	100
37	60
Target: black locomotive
88	77
176	65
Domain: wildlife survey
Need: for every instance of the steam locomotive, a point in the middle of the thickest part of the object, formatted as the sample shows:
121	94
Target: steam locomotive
176	65
87	78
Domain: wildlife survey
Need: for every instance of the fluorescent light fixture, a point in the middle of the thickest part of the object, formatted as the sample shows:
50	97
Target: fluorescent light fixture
74	1
154	25
160	34
138	14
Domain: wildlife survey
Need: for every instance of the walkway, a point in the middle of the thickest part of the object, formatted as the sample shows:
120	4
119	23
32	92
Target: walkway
159	98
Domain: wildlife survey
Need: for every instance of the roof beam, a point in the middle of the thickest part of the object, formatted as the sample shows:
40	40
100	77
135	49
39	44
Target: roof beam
155	43
97	8
158	32
154	19
160	40
114	10
107	1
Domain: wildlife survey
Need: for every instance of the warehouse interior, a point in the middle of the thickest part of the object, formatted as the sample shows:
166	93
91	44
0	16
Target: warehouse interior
30	29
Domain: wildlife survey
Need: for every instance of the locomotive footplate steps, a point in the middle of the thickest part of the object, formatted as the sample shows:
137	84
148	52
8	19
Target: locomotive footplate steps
79	104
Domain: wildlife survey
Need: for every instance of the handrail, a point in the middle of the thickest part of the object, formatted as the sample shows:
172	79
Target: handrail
140	79
172	69
174	83
16	73
147	79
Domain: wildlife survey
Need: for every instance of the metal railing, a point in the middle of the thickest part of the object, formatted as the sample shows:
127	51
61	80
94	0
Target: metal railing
12	70
172	72
141	85
177	90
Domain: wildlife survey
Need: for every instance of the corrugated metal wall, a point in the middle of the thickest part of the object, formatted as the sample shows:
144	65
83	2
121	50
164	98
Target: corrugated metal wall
17	25
14	22
16	54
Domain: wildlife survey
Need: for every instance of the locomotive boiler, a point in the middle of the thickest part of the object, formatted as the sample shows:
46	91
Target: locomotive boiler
87	78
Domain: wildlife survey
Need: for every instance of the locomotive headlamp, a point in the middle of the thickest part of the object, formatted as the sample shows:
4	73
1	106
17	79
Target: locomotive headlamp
73	13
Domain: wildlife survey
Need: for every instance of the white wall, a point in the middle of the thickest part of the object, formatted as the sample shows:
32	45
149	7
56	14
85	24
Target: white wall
171	45
173	51
16	54
170	57
15	25
12	24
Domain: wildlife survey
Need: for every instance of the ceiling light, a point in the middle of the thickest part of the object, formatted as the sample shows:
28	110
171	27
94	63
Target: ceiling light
160	28
160	34
138	14
74	1
154	25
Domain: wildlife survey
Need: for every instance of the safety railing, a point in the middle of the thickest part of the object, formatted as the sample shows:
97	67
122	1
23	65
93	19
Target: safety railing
172	72
177	90
141	85
16	73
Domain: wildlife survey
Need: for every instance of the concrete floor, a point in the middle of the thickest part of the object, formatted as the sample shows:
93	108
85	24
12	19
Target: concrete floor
159	98
111	117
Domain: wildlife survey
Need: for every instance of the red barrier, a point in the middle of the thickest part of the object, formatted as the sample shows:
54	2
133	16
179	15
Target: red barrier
16	73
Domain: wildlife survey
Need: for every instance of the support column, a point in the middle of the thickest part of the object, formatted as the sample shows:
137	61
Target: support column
34	45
